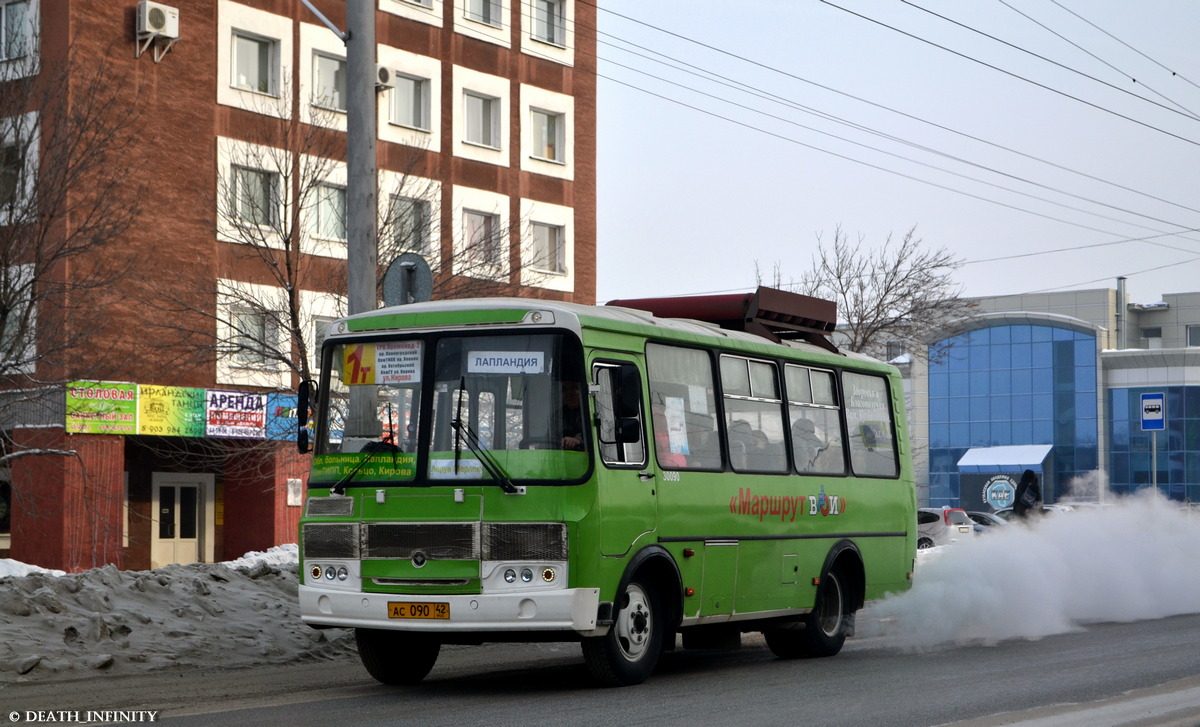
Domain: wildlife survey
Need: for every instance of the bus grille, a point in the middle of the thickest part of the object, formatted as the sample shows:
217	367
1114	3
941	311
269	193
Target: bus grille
438	541
329	506
330	540
525	541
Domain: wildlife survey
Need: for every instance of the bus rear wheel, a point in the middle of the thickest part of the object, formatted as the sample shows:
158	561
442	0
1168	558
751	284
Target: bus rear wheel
629	652
826	628
396	657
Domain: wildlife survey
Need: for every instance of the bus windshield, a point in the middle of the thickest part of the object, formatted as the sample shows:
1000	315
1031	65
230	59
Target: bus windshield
454	408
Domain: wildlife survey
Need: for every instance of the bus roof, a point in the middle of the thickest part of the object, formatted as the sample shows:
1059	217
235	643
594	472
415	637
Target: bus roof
474	312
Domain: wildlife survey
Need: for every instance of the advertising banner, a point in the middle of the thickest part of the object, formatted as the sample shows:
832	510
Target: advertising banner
236	414
99	407
171	411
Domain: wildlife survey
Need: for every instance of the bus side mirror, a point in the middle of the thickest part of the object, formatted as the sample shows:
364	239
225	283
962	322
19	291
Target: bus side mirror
304	396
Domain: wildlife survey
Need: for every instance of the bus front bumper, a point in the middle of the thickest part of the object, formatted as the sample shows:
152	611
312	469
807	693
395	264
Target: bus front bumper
572	609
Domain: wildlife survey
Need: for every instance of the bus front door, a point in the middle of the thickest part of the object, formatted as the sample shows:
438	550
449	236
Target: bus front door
625	479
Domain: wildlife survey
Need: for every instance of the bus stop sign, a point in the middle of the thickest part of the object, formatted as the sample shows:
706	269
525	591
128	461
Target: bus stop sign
1154	413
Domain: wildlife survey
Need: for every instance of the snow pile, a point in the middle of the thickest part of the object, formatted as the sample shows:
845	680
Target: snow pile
1138	559
239	613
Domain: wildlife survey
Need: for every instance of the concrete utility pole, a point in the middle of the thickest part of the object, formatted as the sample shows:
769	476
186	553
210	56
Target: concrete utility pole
361	183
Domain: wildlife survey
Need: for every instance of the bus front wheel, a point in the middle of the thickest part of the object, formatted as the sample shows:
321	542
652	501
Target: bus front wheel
826	628
396	657
629	652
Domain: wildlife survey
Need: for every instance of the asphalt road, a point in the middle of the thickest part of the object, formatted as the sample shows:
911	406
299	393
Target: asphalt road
1144	673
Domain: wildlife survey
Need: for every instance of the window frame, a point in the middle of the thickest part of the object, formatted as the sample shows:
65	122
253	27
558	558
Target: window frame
23	35
491	109
557	22
422	91
272	63
489	13
319	222
557	135
249	351
420	224
271	206
494	234
339	94
543	254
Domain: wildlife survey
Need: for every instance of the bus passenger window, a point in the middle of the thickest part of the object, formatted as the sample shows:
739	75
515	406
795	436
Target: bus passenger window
683	407
815	420
869	421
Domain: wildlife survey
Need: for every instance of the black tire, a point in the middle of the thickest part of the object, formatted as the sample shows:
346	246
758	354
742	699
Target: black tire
924	543
396	657
824	631
629	652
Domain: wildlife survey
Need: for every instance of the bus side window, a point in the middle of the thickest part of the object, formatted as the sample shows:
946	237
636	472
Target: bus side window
619	414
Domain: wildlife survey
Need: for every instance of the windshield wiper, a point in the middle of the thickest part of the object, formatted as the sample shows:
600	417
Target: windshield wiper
339	487
489	464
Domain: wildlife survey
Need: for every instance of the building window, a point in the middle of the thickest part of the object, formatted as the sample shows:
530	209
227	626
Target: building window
422	3
329	82
14	30
410	102
410	224
253	336
482	232
254	64
320	328
12	166
484	11
548	247
1193	336
482	120
548	22
254	196
330	220
548	130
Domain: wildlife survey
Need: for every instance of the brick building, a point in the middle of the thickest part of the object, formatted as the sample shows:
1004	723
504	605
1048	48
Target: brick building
160	307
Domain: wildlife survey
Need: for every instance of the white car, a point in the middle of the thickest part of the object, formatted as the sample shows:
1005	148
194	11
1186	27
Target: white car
942	526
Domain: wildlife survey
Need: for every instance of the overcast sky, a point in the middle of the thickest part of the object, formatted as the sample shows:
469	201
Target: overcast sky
1037	171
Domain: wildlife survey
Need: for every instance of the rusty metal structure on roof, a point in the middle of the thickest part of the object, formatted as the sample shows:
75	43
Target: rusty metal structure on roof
774	314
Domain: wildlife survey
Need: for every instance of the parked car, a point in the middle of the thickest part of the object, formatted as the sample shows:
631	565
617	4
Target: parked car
1007	512
985	520
942	526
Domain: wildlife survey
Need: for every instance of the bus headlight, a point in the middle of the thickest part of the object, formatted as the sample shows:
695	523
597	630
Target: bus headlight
510	575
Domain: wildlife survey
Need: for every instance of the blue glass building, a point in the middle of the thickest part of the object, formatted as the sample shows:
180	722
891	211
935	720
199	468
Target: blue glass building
1054	382
1007	383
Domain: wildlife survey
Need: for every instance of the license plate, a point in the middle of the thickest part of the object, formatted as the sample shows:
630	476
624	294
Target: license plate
964	528
410	609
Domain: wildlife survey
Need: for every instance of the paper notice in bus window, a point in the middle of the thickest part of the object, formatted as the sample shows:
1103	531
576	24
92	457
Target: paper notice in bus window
382	363
676	417
399	363
698	397
448	469
506	362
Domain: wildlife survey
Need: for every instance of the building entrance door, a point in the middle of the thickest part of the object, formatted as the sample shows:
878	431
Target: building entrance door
180	531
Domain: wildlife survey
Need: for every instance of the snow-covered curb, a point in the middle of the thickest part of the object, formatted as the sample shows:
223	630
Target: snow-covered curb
239	613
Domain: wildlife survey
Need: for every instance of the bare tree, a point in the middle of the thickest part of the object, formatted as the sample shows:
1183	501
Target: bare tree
280	198
898	293
65	201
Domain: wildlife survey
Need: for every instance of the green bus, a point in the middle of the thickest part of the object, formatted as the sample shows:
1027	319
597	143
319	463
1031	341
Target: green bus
524	470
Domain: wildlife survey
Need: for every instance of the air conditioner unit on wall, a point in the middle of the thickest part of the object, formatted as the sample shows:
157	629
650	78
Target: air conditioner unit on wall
157	20
385	78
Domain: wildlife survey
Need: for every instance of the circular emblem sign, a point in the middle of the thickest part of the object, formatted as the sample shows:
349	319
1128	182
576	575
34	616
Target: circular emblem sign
999	491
